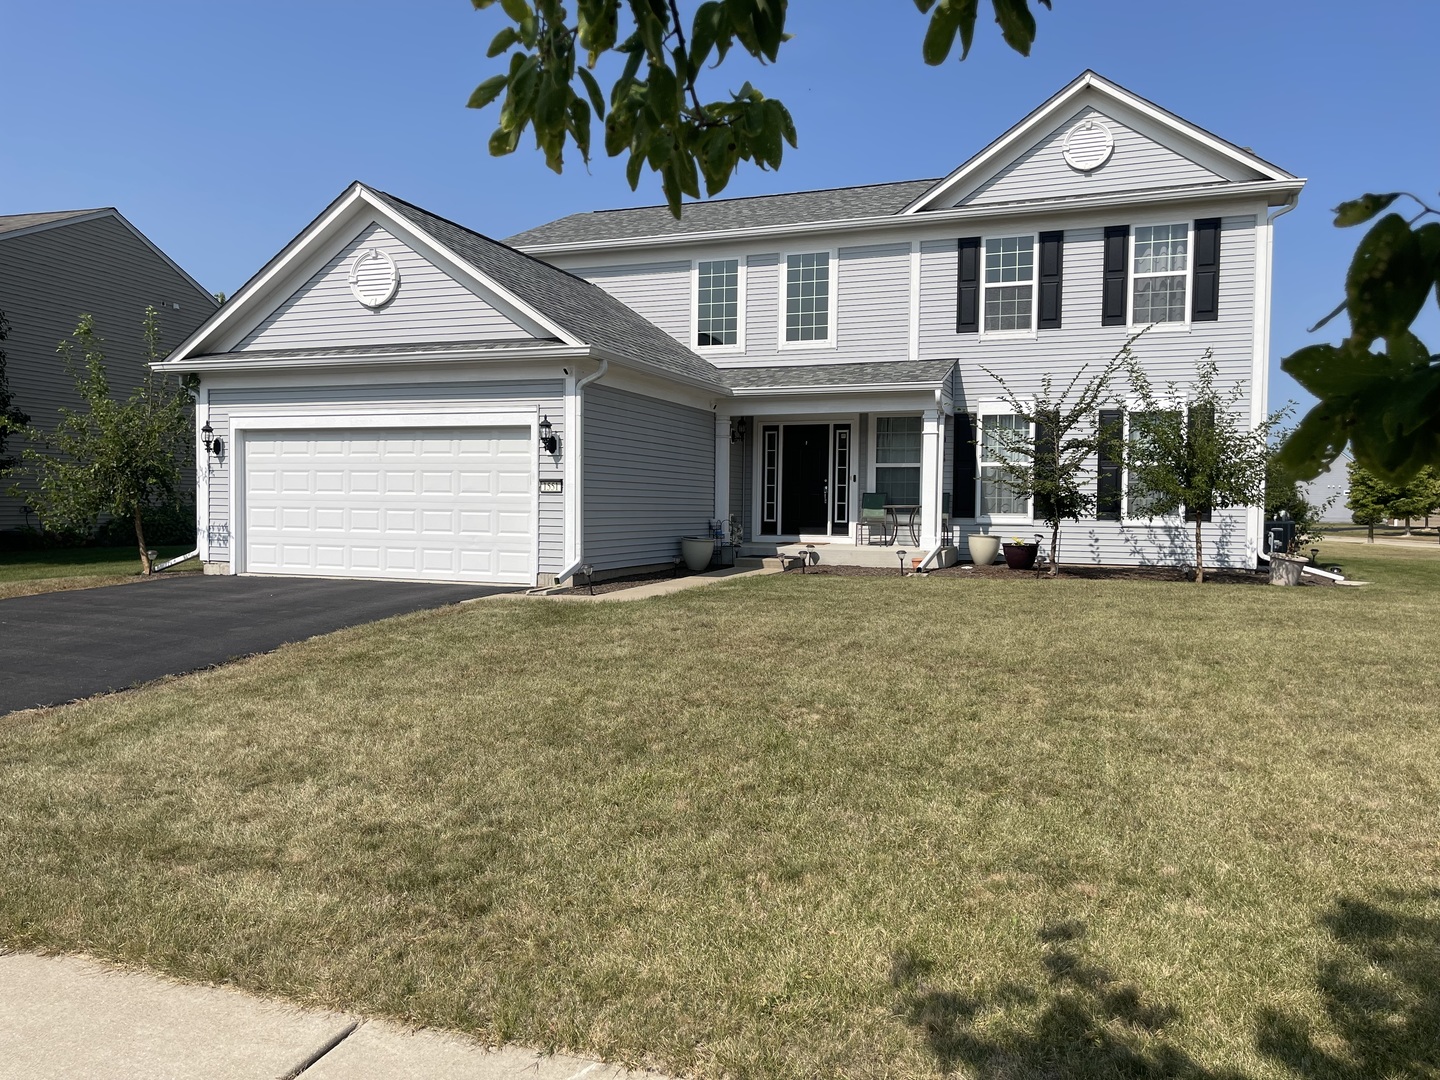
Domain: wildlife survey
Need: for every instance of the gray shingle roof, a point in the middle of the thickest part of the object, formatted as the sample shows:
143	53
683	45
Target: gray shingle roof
908	373
15	222
427	349
723	215
587	311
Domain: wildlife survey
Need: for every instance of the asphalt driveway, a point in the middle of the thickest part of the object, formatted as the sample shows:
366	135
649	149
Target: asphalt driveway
56	647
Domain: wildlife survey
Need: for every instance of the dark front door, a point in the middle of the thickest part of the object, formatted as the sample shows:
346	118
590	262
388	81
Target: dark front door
805	470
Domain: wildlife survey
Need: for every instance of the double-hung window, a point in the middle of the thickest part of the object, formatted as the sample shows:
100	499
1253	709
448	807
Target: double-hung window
1162	269
1009	301
897	458
999	432
717	303
809	294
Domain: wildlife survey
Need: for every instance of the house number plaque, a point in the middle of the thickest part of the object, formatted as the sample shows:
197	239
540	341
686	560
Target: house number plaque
552	487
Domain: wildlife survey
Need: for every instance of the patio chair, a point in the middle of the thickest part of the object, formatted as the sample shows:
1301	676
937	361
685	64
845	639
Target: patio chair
872	517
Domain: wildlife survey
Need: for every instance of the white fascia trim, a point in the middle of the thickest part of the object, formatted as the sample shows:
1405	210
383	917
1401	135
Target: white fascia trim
859	388
369	360
1046	113
385	416
933	218
423	240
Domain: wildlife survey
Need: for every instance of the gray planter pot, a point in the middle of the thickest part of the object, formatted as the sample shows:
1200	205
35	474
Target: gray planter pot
983	549
697	551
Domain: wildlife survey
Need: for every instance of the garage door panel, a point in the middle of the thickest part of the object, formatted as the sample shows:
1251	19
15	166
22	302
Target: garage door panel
448	504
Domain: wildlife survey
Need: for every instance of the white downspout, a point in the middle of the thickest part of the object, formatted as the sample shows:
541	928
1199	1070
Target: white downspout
575	437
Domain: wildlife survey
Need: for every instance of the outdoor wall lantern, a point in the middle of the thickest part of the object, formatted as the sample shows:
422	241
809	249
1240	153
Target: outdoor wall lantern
213	445
737	430
547	436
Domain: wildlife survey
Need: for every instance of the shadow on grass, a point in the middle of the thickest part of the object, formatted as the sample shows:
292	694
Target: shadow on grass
1084	1022
1381	995
1379	1011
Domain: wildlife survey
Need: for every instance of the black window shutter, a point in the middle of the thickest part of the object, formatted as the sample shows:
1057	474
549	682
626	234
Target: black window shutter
1205	300
1112	303
1052	264
1199	423
962	487
1107	491
967	310
1044	462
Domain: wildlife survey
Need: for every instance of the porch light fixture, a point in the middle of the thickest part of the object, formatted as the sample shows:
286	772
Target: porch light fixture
547	436
213	445
738	428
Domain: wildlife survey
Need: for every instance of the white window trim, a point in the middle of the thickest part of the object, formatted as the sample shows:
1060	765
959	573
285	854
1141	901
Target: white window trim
831	342
872	481
1031	334
739	346
1183	326
1168	521
995	408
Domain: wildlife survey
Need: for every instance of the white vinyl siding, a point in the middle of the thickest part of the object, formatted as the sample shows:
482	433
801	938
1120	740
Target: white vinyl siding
429	305
660	291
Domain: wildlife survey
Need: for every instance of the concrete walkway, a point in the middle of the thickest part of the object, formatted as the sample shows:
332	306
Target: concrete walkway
72	1018
661	588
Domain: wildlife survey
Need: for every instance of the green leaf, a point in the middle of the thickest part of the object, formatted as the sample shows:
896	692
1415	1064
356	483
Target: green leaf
1017	24
1362	209
518	10
940	35
503	142
487	91
1387	282
597	99
502	41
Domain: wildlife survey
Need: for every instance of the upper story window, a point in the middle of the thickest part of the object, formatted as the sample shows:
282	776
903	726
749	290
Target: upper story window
717	292
1161	266
1009	300
808	295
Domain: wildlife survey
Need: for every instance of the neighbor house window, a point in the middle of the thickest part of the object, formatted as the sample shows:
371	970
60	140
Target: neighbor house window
717	318
1162	257
998	431
1009	283
807	297
897	458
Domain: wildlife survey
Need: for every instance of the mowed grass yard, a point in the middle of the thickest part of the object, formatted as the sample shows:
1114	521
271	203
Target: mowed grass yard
793	826
23	573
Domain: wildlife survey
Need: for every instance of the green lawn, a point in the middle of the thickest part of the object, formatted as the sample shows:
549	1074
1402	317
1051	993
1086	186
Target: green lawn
790	827
53	569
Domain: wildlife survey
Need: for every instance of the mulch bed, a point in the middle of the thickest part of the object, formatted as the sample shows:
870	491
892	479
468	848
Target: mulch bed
1078	572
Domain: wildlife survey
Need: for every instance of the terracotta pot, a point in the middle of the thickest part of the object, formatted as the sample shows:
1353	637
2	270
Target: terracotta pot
1021	556
983	549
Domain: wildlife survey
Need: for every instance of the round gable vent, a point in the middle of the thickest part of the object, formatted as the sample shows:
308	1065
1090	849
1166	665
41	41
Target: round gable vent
373	277
1088	145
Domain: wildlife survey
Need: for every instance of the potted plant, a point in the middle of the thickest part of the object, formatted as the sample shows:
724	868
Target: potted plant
983	549
1020	554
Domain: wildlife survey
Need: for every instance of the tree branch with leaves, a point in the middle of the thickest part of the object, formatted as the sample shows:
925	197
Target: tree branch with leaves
655	113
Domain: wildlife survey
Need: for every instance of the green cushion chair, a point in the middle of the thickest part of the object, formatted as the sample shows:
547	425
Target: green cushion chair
872	517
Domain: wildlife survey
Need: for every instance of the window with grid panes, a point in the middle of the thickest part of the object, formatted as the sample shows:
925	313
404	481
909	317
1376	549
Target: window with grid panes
1009	283
897	458
807	297
998	432
717	319
1161	258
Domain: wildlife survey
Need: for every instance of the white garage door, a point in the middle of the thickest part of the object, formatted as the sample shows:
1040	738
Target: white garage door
448	504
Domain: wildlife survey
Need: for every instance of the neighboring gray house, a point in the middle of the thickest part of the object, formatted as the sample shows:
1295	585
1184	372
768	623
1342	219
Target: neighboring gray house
379	391
55	267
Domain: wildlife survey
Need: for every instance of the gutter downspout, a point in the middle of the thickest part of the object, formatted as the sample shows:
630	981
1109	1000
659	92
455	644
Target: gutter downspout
175	561
575	437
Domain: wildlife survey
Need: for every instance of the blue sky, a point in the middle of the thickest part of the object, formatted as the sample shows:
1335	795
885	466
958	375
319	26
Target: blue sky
220	130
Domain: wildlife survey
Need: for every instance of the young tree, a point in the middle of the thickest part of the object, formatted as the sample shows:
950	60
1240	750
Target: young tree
1190	453
1369	498
115	457
11	418
1051	459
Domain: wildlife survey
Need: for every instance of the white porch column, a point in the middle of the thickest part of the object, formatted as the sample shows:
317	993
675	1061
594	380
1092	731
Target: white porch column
932	447
722	468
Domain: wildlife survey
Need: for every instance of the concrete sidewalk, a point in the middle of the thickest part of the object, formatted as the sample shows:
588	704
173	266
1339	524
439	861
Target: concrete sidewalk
72	1018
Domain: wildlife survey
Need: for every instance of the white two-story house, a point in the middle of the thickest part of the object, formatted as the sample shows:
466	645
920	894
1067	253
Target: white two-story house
395	395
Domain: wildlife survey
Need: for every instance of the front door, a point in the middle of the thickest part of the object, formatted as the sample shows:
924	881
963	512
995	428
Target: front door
805	479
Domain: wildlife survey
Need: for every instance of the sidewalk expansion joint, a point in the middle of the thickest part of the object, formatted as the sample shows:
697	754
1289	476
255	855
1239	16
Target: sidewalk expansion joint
325	1048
